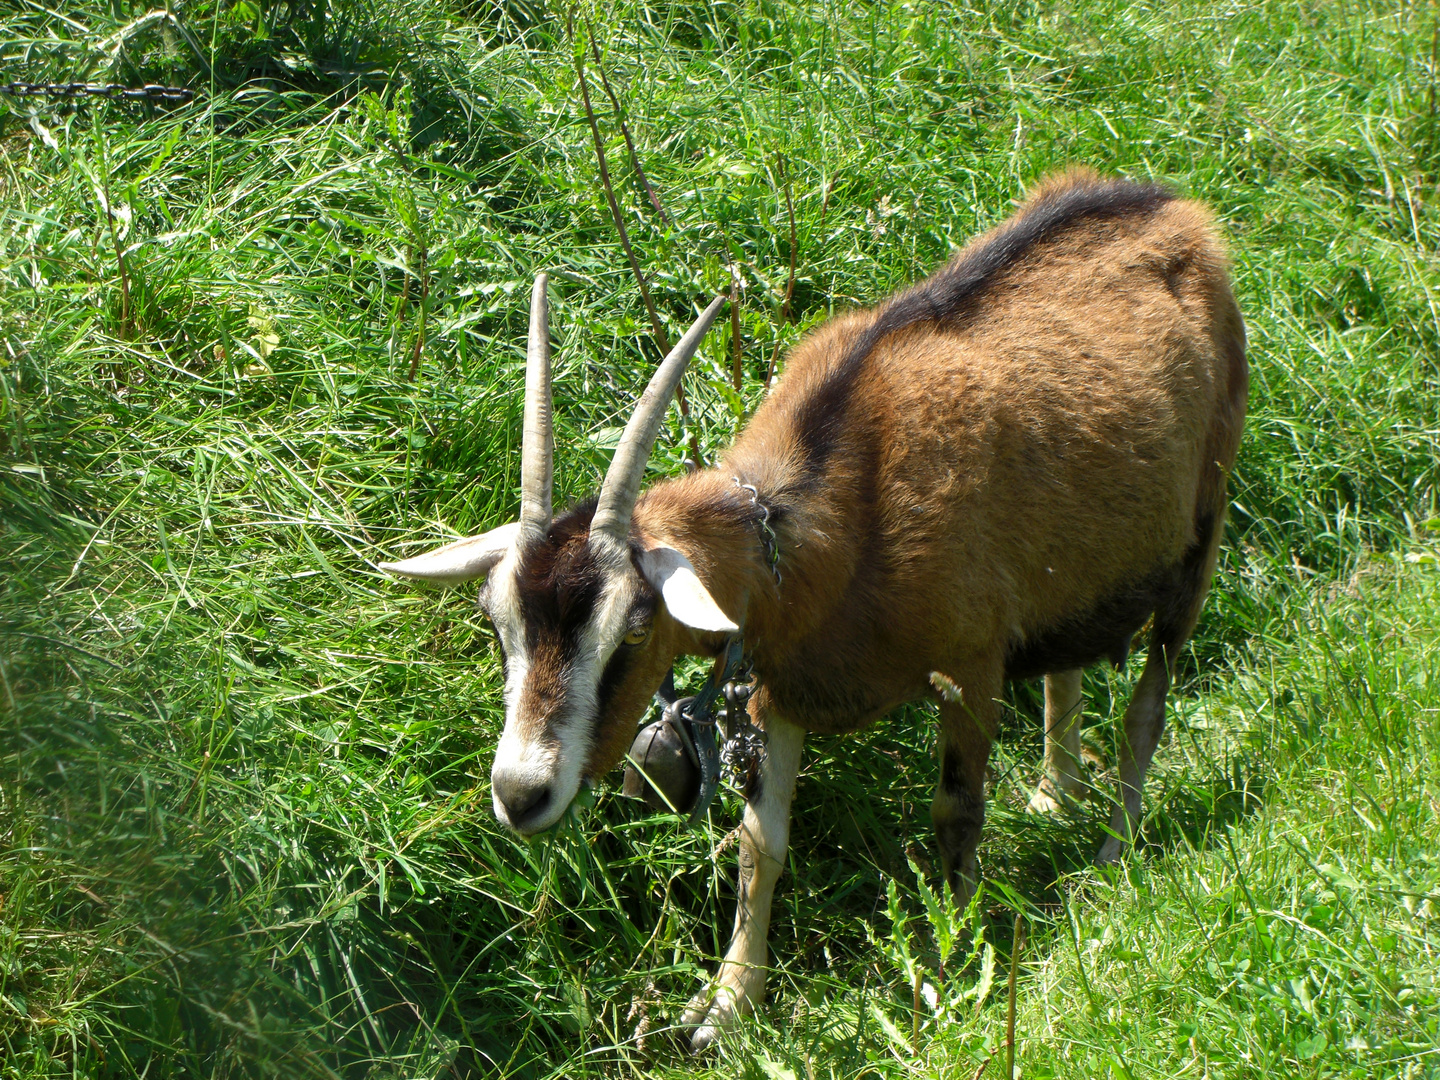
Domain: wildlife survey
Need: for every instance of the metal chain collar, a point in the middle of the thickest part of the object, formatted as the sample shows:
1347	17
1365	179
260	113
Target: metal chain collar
695	719
744	748
111	91
769	542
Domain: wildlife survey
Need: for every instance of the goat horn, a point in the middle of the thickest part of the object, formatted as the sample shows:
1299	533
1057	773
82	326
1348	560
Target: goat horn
537	453
622	482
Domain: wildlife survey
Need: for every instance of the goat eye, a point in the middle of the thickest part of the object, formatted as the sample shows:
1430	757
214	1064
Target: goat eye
637	636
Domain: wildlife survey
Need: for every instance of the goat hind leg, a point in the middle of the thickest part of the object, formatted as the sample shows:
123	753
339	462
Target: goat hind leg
739	985
1062	784
1144	724
1175	619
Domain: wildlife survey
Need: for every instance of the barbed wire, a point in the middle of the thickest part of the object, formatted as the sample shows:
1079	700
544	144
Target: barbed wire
110	91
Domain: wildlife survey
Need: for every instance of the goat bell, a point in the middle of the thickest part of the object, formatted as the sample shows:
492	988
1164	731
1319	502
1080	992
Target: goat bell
668	776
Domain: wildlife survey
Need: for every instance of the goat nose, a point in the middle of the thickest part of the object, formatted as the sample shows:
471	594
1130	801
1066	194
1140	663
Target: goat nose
523	798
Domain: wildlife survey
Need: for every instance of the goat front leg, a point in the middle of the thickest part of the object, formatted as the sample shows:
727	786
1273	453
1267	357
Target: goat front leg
967	728
739	985
1062	784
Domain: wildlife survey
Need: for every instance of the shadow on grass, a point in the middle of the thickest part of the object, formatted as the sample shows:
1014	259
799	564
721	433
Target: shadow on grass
483	937
275	60
861	815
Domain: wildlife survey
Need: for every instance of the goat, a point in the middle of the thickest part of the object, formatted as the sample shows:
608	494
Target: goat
1000	473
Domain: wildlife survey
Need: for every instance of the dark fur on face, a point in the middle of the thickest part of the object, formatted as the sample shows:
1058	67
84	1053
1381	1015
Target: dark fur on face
559	583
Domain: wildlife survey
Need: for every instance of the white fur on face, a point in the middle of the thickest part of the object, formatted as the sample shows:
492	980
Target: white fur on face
551	751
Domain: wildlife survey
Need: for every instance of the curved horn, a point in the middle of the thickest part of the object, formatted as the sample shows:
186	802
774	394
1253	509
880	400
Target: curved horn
537	453
622	482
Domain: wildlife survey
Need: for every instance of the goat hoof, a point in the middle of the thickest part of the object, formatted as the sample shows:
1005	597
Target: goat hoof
704	1037
1049	800
1109	852
710	1016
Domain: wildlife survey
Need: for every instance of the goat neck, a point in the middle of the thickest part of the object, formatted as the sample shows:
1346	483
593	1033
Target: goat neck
716	524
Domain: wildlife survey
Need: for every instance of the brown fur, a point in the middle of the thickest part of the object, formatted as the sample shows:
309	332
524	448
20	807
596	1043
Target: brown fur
1002	472
1022	484
997	479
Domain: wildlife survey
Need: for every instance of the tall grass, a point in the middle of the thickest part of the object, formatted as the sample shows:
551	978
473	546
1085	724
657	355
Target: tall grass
245	778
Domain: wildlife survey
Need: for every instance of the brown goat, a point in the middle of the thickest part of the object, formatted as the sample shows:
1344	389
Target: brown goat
1000	473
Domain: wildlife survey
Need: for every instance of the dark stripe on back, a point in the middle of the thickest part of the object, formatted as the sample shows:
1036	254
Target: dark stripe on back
950	292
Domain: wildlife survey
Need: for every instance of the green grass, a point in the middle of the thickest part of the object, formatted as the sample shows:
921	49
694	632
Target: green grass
245	813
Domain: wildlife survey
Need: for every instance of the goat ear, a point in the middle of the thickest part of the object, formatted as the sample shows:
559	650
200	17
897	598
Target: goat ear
460	561
671	574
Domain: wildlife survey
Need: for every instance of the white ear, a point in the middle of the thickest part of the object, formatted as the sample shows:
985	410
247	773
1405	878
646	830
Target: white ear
460	561
670	573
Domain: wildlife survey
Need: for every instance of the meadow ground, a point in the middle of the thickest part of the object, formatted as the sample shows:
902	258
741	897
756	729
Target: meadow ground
255	342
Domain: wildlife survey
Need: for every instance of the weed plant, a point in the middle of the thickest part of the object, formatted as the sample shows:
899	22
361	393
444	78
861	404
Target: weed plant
255	343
